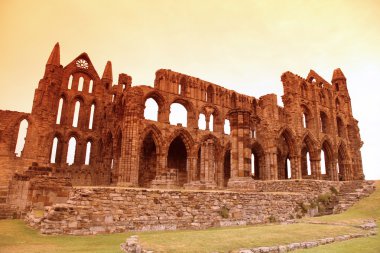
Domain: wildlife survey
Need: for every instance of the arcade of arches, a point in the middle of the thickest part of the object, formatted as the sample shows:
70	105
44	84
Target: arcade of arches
100	132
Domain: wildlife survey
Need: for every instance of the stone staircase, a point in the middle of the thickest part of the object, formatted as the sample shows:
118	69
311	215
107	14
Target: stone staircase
352	192
6	211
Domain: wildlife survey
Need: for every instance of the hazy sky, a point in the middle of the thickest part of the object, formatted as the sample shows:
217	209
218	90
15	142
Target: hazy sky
241	45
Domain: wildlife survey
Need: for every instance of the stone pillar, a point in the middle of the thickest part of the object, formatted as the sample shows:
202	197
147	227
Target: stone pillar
315	165
334	170
240	152
207	122
65	148
295	164
129	160
210	162
271	165
192	167
163	114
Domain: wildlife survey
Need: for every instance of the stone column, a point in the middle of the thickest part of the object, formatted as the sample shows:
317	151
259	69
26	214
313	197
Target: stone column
192	167
207	122
210	162
295	164
315	165
163	114
271	165
129	160
240	152
334	170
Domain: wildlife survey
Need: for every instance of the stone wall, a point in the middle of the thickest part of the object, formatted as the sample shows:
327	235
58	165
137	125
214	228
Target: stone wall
93	210
108	210
315	186
36	188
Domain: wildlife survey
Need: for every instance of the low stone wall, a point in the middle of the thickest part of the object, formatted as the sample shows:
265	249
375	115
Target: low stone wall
314	186
93	210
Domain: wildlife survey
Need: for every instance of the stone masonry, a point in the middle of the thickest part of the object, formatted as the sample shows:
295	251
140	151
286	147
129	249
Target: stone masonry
114	145
92	210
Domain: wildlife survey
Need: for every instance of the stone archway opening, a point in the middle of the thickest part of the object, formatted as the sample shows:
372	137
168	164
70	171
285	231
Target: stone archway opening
283	158
305	163
257	162
148	161
327	165
227	167
177	159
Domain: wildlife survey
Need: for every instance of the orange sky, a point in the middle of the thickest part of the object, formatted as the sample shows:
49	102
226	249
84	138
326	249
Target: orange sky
242	45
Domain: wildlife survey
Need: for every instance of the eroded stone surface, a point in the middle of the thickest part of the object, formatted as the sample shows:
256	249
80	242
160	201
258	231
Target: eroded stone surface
126	149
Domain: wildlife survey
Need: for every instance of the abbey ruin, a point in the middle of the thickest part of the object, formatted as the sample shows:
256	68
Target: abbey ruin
87	130
124	149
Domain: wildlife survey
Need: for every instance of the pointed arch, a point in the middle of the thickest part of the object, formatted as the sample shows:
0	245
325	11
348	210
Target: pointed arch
70	82
151	109
76	114
71	150
59	112
309	155
289	137
185	135
178	152
21	137
92	114
327	147
311	142
156	135
91	86
80	83
307	117
157	96
150	148
57	149
257	161
286	151
88	159
188	105
202	121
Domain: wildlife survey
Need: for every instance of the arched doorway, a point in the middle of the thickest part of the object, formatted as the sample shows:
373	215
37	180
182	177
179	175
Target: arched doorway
148	161
177	159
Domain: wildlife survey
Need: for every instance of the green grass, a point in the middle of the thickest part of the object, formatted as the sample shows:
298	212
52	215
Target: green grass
16	237
365	209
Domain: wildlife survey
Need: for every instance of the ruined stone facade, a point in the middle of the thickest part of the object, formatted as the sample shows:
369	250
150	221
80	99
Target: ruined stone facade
115	145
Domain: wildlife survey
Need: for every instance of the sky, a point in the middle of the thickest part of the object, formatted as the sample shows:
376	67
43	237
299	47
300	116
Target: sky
243	45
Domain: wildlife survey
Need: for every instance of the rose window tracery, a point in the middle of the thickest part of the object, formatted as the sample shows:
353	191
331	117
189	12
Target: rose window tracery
81	63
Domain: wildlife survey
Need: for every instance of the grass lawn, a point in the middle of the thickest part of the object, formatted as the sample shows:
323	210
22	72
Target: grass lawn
366	208
16	237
